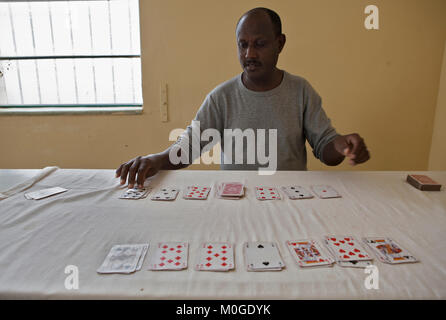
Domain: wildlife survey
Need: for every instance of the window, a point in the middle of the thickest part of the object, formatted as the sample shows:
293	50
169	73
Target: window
70	54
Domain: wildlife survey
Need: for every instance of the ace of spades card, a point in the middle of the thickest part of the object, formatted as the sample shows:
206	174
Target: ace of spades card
262	256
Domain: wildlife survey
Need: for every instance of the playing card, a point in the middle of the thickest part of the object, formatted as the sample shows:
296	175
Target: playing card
40	194
297	192
234	189
123	258
230	190
346	248
165	194
267	193
196	192
136	193
145	248
325	192
351	263
388	251
262	256
169	256
423	182
308	253
355	263
215	256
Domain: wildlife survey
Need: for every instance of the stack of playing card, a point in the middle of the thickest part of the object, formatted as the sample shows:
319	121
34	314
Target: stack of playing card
169	256
297	192
347	251
37	195
423	182
215	256
262	256
267	193
136	193
388	251
196	193
125	258
325	192
230	190
165	194
308	253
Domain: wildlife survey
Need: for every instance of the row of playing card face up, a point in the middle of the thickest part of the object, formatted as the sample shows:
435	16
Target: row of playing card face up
232	190
259	256
226	190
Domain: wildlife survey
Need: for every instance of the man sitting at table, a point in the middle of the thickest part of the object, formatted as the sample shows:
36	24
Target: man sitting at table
261	97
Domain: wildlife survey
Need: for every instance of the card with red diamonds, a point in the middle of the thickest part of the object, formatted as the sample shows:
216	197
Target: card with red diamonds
215	256
346	248
169	256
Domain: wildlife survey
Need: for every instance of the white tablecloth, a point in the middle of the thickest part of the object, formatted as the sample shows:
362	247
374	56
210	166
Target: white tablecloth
39	238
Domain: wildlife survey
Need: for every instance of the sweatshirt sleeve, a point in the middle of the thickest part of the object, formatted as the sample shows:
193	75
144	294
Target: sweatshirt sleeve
317	126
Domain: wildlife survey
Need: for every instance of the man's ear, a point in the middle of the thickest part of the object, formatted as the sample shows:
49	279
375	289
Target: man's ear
282	40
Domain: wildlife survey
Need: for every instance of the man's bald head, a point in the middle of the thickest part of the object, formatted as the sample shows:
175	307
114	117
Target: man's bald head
260	41
273	16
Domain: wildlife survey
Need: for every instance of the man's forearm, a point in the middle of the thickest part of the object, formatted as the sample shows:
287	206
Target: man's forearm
164	160
330	155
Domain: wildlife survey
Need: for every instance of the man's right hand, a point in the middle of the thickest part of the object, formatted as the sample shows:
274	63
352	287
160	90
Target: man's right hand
139	169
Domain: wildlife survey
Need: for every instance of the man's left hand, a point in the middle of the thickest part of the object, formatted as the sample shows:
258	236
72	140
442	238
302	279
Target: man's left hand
353	147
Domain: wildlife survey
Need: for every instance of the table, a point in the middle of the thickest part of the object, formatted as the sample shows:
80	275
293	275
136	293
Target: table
39	238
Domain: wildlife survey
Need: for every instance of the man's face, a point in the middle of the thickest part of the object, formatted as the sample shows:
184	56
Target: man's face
258	46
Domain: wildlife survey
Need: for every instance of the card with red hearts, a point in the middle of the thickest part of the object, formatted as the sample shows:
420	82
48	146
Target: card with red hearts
196	192
215	256
267	193
169	256
346	248
325	192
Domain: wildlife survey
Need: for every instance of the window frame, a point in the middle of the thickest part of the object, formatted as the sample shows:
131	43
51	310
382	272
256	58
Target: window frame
68	108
